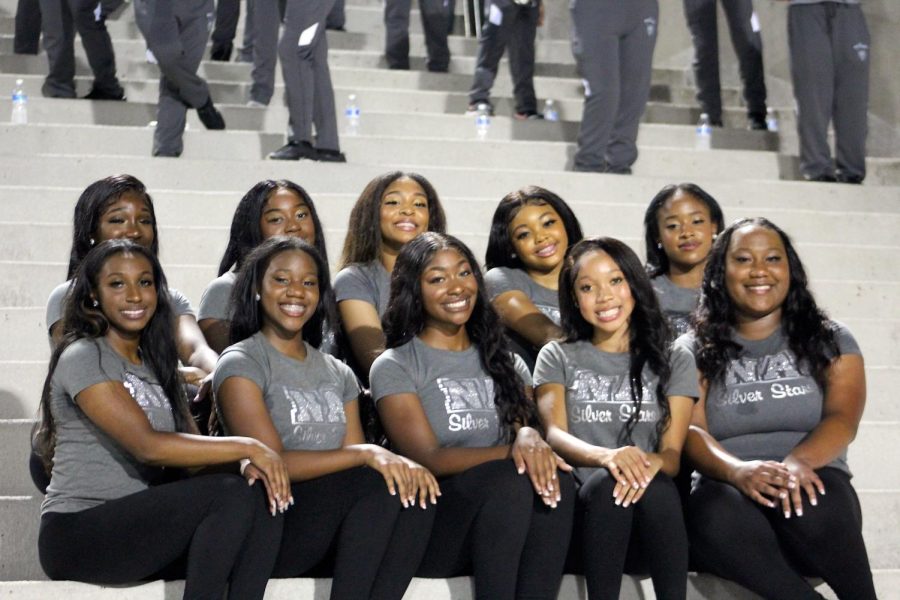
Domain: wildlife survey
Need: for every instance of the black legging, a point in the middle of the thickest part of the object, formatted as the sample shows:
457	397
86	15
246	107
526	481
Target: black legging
491	523
220	522
376	543
736	538
647	536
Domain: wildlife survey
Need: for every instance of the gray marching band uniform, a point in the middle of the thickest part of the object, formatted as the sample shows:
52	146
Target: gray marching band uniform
701	19
60	19
613	43
511	24
437	21
303	50
176	32
830	54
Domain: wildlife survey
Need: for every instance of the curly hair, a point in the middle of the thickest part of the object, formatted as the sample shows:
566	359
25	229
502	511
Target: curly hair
81	320
405	318
363	241
809	332
245	232
648	330
247	318
500	250
657	260
94	200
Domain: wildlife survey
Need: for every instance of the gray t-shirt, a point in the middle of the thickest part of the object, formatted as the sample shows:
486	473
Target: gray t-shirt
180	304
215	303
793	2
500	280
765	405
89	467
598	392
369	282
305	399
456	392
676	302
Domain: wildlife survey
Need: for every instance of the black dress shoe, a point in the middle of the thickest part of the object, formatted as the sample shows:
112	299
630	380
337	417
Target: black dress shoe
852	179
326	155
96	94
825	178
295	151
757	122
210	116
221	53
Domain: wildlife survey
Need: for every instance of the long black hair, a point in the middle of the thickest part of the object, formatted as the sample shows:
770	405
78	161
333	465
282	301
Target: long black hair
405	318
247	317
82	320
245	233
648	330
500	251
657	261
808	330
363	241
94	200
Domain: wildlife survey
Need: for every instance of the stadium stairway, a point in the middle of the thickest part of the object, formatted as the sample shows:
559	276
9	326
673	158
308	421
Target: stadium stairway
849	236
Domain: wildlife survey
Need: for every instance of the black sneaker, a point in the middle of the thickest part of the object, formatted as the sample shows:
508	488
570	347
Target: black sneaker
757	122
851	179
824	178
96	94
221	53
326	155
210	116
295	151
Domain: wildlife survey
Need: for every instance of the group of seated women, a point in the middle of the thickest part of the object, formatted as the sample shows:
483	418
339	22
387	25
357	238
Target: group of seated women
420	418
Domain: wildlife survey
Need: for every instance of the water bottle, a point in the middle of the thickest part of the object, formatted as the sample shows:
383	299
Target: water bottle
550	112
482	121
19	104
352	116
704	133
771	119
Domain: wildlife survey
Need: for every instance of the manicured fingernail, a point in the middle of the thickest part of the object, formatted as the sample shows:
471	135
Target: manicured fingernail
521	470
787	514
799	512
292	500
782	495
813	502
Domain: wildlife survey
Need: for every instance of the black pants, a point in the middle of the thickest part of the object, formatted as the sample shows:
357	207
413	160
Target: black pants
490	523
28	27
647	536
375	543
734	537
219	522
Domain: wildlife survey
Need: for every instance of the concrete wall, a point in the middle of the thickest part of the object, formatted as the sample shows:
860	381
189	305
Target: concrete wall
674	50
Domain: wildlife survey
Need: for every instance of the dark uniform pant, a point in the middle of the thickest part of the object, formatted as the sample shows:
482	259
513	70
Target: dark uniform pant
830	54
437	21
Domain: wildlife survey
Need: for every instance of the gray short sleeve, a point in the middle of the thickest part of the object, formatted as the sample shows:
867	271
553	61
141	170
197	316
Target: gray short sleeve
305	399
181	306
677	303
367	282
456	394
500	280
55	303
89	467
215	303
683	377
522	370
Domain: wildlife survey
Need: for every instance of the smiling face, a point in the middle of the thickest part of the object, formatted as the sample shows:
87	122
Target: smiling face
539	238
126	292
128	218
289	294
404	212
604	299
449	290
286	213
757	275
685	231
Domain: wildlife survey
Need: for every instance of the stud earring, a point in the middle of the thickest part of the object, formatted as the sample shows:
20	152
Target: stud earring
257	297
715	236
95	304
93	242
659	245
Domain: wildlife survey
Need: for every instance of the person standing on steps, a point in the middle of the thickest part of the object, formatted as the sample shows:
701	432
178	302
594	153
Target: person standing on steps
830	50
744	27
60	19
303	50
437	23
611	38
176	33
513	23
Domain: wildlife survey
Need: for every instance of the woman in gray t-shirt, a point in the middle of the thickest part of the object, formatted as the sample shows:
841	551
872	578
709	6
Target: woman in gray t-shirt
531	231
114	417
450	396
680	225
393	209
616	403
783	394
269	208
275	385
